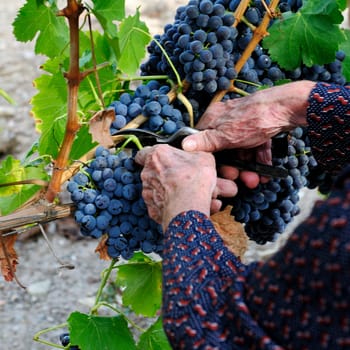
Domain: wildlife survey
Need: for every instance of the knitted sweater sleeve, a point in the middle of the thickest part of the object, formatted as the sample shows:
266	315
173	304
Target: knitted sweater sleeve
203	307
328	117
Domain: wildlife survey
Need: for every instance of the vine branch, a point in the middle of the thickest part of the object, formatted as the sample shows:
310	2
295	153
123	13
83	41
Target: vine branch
259	33
72	12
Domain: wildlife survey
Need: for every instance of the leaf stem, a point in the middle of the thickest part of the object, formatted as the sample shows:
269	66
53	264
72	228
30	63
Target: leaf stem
103	303
105	276
37	335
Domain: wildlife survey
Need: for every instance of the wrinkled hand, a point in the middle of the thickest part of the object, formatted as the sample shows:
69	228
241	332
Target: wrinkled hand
249	123
174	181
253	120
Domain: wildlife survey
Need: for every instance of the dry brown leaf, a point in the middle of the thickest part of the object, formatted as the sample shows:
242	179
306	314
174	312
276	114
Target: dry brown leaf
102	248
99	127
231	231
8	257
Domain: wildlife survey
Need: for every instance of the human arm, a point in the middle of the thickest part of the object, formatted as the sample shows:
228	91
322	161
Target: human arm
202	279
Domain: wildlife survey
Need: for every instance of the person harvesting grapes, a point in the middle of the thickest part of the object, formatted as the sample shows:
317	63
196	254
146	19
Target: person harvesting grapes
299	298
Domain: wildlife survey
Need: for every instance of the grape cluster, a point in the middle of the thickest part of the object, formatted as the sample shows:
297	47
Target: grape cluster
152	101
267	209
65	340
204	47
200	44
107	196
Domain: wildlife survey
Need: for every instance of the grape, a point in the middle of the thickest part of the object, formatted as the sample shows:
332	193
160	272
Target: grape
102	222
274	73
81	179
110	184
72	186
155	123
115	206
88	222
263	61
200	35
206	7
90	209
77	195
192	12
169	127
253	15
130	192
202	20
65	340
125	98
134	110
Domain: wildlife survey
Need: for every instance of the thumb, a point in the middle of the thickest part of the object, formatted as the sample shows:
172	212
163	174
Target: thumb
142	154
205	141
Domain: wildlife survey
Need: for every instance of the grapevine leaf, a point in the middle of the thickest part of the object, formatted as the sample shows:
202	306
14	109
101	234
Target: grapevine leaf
11	170
107	11
310	36
329	8
342	4
49	111
154	338
345	46
91	332
37	18
133	37
50	103
142	278
82	144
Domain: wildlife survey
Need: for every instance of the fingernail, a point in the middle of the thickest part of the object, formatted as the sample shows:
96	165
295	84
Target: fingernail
189	145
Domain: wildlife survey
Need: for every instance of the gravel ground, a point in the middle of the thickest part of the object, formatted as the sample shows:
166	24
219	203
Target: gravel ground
52	293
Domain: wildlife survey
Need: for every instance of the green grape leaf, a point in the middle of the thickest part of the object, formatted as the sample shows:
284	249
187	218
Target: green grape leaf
154	338
106	12
342	4
82	144
310	36
91	332
50	103
133	37
50	111
11	170
37	19
142	279
345	46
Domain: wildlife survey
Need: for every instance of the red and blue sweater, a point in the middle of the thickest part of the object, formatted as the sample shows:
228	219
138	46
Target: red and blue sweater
299	298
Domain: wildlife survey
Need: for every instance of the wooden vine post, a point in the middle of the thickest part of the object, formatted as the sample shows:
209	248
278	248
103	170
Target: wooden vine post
72	12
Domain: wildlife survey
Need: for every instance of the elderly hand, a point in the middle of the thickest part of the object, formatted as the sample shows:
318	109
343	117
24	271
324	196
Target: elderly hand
174	181
249	123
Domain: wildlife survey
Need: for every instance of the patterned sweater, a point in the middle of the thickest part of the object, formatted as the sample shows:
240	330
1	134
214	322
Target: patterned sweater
298	299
